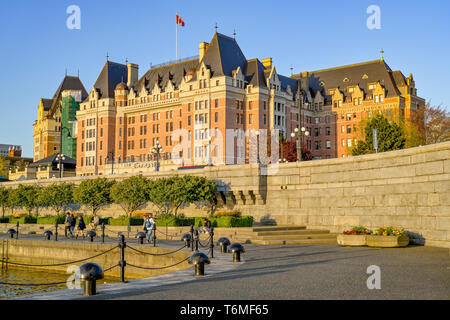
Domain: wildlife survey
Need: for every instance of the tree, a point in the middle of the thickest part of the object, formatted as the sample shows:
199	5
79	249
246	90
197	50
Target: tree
390	136
25	196
3	171
57	196
131	193
436	121
170	194
4	199
94	193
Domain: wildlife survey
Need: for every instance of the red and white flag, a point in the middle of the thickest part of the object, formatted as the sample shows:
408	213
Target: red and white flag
179	21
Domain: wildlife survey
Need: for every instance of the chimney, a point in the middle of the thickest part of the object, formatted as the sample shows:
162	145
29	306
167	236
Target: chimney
133	73
267	63
203	47
304	81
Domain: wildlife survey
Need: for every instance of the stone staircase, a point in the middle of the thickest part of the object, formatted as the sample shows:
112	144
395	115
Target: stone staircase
277	235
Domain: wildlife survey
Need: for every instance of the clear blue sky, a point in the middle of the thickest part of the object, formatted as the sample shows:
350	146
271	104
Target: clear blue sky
37	47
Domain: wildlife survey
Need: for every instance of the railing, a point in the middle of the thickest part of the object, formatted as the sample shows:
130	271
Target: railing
122	246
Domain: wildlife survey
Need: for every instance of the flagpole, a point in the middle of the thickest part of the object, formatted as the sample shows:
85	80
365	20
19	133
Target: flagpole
176	39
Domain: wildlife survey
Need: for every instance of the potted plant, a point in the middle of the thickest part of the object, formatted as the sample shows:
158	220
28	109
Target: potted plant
354	237
387	237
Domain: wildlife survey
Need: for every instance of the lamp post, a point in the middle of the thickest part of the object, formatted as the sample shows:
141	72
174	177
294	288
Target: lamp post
156	150
257	147
60	157
209	151
299	135
111	156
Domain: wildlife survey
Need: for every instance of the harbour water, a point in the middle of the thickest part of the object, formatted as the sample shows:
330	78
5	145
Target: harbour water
27	280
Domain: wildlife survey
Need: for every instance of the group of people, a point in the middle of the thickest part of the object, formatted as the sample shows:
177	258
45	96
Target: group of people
75	230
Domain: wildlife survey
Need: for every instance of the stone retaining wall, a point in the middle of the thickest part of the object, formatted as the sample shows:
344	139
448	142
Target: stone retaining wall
408	188
54	252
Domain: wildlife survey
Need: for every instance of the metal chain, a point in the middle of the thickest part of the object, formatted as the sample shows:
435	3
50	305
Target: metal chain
61	264
131	265
156	254
33	284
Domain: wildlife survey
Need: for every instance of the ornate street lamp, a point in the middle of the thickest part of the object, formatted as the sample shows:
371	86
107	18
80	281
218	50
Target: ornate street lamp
257	147
156	150
298	134
60	158
209	151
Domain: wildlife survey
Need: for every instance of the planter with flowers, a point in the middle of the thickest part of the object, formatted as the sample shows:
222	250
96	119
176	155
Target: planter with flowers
387	238
355	237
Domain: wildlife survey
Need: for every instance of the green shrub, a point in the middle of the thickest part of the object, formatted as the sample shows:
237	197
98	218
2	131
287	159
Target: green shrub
172	221
51	220
23	220
227	221
4	220
126	221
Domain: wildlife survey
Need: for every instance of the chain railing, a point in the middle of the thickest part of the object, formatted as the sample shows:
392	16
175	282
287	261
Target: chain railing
122	245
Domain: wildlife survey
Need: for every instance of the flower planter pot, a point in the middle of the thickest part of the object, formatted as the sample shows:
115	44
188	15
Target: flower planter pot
387	241
353	240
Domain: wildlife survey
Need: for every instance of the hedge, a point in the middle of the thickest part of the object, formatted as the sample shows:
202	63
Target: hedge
126	221
227	222
51	220
174	221
4	220
23	220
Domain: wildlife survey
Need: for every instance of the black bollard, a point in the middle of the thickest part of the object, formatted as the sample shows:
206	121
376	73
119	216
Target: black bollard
17	232
154	234
103	232
199	259
122	262
56	231
211	242
89	274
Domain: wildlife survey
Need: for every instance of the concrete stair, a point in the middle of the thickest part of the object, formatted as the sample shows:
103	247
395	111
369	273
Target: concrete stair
277	235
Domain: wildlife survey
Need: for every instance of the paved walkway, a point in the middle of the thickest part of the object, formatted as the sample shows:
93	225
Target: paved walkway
293	272
300	272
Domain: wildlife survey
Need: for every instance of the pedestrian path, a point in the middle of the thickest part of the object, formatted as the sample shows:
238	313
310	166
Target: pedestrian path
221	263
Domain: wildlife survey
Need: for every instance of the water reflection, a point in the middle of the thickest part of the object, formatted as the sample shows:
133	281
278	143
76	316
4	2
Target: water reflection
26	279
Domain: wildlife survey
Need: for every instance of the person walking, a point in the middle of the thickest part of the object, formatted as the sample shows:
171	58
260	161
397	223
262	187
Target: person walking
73	222
81	226
149	226
67	223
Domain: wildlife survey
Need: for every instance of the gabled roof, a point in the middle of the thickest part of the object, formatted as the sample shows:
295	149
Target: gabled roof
255	73
161	75
68	83
286	81
111	75
224	55
47	103
360	74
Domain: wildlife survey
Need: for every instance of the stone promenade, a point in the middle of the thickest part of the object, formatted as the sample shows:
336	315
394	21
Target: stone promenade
296	272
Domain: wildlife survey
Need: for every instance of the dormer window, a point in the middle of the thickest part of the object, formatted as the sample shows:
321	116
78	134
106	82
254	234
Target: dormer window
346	79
